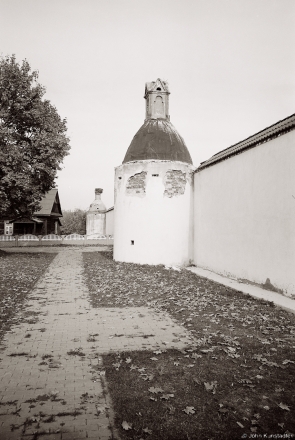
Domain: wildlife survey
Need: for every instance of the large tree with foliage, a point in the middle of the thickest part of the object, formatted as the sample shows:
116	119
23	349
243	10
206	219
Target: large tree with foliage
33	141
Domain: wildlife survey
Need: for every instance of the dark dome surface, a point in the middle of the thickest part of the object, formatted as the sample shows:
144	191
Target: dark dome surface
157	139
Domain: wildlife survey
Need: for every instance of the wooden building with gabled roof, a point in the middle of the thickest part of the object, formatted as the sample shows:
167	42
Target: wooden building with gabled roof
43	222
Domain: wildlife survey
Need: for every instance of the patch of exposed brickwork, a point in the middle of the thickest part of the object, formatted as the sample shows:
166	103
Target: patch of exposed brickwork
175	181
136	184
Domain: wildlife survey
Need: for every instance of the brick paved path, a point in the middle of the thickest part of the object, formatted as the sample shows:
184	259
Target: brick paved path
52	383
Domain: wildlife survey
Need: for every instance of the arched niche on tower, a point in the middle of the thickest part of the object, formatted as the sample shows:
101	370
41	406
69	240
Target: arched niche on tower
159	107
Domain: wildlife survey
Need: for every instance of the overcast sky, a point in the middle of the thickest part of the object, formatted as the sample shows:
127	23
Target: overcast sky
230	65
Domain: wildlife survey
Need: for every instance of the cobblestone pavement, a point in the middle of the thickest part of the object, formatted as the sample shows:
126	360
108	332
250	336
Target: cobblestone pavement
52	381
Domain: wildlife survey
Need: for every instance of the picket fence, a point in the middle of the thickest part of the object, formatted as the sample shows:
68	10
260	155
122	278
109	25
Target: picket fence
53	239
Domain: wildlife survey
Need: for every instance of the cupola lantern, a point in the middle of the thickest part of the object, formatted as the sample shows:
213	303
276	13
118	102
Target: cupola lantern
157	100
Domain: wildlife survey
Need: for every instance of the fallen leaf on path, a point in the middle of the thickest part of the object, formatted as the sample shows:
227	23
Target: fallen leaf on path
155	390
166	396
117	365
283	406
196	356
126	426
211	386
189	410
150	377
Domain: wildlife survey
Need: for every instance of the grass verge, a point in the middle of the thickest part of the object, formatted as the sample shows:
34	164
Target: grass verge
18	274
236	379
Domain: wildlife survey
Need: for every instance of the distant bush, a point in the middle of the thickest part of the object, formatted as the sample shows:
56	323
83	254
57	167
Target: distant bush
73	221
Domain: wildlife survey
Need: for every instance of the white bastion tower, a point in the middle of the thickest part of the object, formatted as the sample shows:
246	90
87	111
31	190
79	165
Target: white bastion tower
96	216
154	190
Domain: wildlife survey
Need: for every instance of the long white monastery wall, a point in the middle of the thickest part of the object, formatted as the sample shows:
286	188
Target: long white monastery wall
154	212
110	222
244	214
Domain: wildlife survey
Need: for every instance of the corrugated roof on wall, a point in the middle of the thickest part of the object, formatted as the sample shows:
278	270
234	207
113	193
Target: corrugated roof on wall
262	136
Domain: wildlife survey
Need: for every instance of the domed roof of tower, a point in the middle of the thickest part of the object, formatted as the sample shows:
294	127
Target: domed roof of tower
157	138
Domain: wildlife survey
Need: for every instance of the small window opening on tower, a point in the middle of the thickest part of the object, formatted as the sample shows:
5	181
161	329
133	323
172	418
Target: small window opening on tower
159	88
119	178
132	242
155	175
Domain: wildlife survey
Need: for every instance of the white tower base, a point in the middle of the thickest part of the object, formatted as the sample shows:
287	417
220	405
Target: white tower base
154	212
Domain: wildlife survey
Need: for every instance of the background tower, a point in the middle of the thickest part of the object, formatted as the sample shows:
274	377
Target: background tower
96	216
153	190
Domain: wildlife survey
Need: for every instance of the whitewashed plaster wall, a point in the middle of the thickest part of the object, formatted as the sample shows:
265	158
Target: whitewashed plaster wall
110	222
154	212
244	215
95	223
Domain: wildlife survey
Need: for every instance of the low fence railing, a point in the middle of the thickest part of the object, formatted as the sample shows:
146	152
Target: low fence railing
53	239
